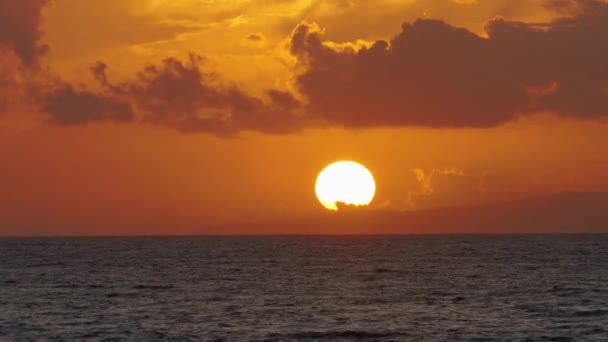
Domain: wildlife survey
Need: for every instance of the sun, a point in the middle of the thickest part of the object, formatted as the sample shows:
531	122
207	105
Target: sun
347	182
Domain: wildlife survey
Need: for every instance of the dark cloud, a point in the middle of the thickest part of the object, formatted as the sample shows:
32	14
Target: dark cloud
20	48
20	28
436	75
99	73
174	90
568	57
179	95
69	106
431	74
569	48
255	37
576	98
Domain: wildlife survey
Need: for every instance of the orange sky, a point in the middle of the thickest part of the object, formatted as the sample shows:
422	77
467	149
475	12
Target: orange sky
174	116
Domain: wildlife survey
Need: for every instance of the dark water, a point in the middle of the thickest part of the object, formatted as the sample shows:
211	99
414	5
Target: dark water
383	288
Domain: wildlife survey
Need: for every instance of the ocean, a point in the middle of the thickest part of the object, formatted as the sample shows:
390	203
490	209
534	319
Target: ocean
305	288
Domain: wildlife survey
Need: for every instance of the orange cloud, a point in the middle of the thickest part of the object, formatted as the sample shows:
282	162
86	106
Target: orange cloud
444	187
431	74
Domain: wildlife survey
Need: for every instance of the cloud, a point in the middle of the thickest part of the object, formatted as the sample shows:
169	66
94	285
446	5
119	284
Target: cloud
20	28
426	180
255	37
176	94
576	98
20	48
444	187
435	75
431	74
255	40
565	56
69	106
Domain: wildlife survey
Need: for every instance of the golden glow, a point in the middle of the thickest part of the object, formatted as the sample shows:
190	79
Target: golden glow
347	182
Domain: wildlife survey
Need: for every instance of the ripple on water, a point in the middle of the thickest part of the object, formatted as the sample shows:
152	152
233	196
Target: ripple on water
474	288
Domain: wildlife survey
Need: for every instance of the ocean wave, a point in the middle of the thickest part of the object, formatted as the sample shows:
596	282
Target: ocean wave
81	286
336	334
152	287
590	313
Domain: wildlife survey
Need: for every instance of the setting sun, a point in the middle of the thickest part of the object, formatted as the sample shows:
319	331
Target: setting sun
345	182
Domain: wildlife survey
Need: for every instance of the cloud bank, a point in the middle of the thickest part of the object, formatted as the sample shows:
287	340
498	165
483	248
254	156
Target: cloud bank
430	74
435	75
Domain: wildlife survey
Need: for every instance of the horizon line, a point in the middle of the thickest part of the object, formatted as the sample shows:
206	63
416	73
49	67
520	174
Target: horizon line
69	236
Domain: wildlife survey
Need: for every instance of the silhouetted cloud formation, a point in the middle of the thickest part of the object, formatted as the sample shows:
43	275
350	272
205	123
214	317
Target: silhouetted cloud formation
179	95
433	74
566	61
69	106
20	28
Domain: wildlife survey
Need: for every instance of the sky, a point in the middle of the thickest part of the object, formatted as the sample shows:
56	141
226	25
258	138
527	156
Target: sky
180	116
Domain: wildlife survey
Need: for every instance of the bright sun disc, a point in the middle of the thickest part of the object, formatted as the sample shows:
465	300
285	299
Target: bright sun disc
347	182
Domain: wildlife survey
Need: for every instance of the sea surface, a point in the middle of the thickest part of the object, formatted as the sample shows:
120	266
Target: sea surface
318	288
